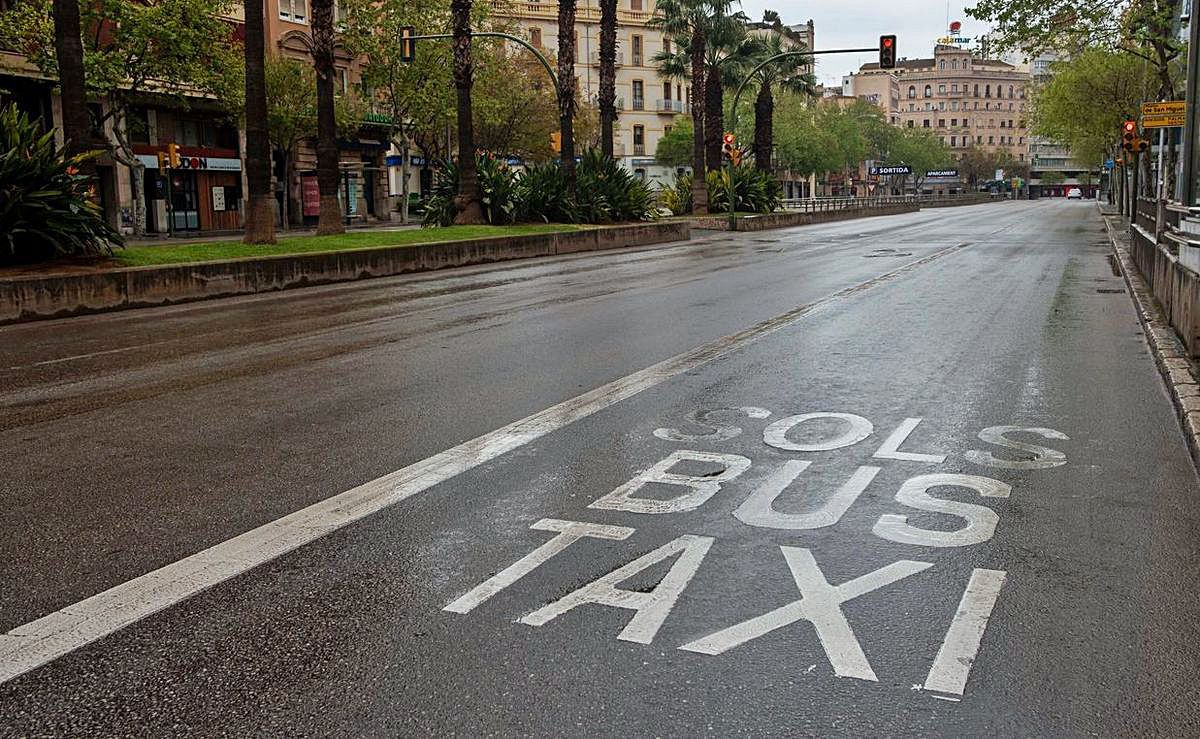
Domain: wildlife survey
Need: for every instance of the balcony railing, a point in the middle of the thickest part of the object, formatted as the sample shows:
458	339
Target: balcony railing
639	150
669	106
595	59
639	103
549	10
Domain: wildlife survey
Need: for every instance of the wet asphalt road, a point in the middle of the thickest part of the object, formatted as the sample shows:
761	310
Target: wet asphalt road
132	440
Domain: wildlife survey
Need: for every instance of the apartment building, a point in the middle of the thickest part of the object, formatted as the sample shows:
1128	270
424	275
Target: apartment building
967	101
647	105
1053	169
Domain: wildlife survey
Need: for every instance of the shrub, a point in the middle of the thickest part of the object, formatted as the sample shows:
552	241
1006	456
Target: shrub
607	192
541	195
46	205
678	197
496	181
755	191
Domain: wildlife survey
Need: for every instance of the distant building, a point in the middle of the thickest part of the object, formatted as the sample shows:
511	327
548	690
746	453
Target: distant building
966	100
1052	169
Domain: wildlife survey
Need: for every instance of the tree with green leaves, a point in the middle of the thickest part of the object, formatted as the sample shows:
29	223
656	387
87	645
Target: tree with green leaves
608	74
567	89
803	145
469	203
328	173
674	149
785	74
689	19
260	215
291	93
921	150
173	49
1087	98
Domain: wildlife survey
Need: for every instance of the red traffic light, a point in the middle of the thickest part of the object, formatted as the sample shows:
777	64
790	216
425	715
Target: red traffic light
729	139
887	52
1130	126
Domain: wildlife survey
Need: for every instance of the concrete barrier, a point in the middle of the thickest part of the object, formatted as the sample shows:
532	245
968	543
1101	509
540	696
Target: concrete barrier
30	298
789	219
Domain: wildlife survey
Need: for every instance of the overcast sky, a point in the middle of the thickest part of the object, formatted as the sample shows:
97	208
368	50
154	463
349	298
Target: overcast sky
859	23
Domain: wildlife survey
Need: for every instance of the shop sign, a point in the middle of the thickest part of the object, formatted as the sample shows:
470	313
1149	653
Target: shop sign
310	195
942	173
209	164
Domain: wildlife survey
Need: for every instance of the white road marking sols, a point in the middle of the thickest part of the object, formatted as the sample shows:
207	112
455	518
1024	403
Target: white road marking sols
43	640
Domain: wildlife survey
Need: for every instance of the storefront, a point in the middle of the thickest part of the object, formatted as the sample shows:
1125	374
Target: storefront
202	194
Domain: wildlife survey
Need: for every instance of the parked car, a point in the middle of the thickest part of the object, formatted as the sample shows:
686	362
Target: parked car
1075	193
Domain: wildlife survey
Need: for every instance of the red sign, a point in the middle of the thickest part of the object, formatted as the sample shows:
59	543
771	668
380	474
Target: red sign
311	195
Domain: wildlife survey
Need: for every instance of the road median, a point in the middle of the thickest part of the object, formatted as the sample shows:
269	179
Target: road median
43	296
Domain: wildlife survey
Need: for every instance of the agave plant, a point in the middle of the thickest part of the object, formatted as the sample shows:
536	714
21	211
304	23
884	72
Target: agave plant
608	192
542	195
496	181
47	209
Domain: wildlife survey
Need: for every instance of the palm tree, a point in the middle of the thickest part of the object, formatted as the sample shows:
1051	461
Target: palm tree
330	218
566	88
469	202
260	218
689	20
788	74
68	48
731	53
608	74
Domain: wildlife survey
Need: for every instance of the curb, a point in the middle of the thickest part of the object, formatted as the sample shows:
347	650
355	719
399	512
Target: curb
1177	370
31	298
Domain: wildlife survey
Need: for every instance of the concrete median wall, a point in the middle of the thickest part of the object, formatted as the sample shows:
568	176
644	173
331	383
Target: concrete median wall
788	219
30	298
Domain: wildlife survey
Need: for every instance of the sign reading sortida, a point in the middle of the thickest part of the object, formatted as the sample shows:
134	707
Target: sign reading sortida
1167	114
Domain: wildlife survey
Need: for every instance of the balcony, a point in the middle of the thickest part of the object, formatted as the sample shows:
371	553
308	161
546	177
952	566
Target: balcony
639	103
549	11
594	59
669	106
639	150
619	102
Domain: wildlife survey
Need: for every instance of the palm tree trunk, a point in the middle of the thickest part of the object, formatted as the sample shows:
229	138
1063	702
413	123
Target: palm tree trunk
714	118
260	215
68	48
608	74
764	111
330	218
566	88
699	182
469	202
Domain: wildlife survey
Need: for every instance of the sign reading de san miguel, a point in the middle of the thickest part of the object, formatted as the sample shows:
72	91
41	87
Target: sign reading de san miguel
892	169
697	464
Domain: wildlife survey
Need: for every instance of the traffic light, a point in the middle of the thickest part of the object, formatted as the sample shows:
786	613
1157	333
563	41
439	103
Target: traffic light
1128	134
173	155
728	145
1141	145
164	161
887	52
408	44
556	142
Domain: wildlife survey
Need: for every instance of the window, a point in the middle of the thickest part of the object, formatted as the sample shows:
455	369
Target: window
912	91
991	139
928	106
1001	123
941	89
954	64
926	123
640	174
954	88
954	141
667	130
666	44
635	42
928	91
953	105
954	123
293	10
966	123
1010	106
942	64
639	141
635	4
339	13
1010	91
1021	140
137	124
639	95
667	92
911	124
987	91
1010	125
941	122
942	105
976	89
344	76
979	139
535	37
912	107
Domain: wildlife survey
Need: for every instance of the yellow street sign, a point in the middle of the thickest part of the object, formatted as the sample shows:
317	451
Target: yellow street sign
1168	114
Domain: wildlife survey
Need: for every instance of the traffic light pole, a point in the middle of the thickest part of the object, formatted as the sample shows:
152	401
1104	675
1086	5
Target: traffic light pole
737	96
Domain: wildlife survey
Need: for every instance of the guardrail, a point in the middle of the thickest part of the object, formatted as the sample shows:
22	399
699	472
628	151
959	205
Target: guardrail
821	205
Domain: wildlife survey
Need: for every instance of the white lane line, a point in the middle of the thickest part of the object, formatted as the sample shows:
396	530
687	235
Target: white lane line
953	663
41	641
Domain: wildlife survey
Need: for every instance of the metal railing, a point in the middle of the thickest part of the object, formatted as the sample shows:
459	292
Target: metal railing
822	205
595	59
669	106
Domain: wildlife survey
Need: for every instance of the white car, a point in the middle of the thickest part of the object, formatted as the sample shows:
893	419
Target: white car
1075	193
